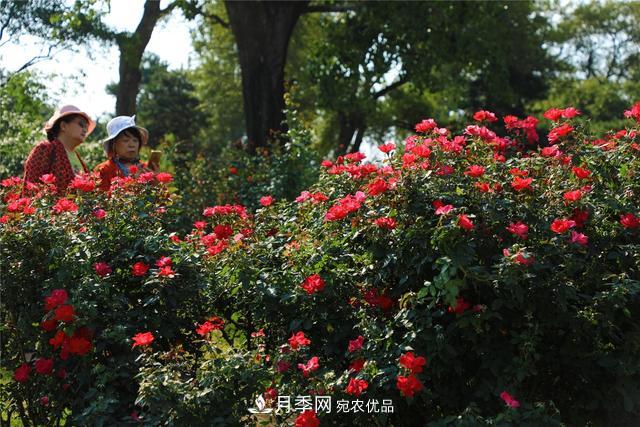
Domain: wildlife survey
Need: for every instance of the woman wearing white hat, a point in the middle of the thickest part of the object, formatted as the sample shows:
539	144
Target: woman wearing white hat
66	129
122	146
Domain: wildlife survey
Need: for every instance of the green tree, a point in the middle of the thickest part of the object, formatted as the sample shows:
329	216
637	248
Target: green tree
599	45
166	103
23	110
457	50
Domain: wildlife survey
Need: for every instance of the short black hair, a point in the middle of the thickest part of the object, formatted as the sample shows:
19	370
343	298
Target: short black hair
131	132
55	130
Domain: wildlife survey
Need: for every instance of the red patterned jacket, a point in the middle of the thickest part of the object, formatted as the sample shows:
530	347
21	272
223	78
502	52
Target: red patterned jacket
50	157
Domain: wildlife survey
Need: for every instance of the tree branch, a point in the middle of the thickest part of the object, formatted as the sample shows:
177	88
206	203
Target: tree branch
167	10
391	87
215	18
5	24
28	64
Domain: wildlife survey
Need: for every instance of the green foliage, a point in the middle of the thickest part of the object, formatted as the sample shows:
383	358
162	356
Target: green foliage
23	110
167	105
352	65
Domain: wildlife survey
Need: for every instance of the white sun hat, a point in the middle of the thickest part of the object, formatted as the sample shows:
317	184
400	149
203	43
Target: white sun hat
119	124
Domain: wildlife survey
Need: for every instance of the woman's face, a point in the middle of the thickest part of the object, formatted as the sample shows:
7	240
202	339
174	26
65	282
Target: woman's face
75	130
126	146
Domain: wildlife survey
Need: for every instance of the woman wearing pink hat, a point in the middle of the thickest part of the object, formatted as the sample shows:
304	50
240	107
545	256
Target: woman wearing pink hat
66	129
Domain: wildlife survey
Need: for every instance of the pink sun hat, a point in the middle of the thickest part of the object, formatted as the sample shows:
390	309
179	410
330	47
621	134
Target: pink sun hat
67	110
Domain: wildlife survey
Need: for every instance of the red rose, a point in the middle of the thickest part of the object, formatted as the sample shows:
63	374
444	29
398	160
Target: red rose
387	148
207	327
307	419
356	386
484	115
634	112
311	366
99	213
474	171
44	366
426	125
49	325
581	173
355	157
79	345
385	222
139	269
58	339
570	112
579	238
64	313
629	221
521	184
57	297
377	187
166	272
266	200
461	306
313	284
553	114
409	385
164	261
560	226
556	133
22	373
142	339
299	340
509	400
355	345
580	217
64	205
223	231
48	178
82	183
482	187
552	151
102	269
413	363
465	222
357	365
572	196
519	228
442	209
164	177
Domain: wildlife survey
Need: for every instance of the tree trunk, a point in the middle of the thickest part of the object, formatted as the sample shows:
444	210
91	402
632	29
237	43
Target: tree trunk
131	49
352	128
262	30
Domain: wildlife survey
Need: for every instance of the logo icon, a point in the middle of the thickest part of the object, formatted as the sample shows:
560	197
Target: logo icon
260	406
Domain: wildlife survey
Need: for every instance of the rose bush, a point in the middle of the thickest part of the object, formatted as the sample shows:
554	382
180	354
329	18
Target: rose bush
120	273
489	277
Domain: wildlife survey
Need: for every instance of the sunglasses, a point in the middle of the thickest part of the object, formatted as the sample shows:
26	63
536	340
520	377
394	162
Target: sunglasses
82	123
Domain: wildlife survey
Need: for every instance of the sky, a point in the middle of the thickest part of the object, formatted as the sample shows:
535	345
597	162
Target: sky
80	78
